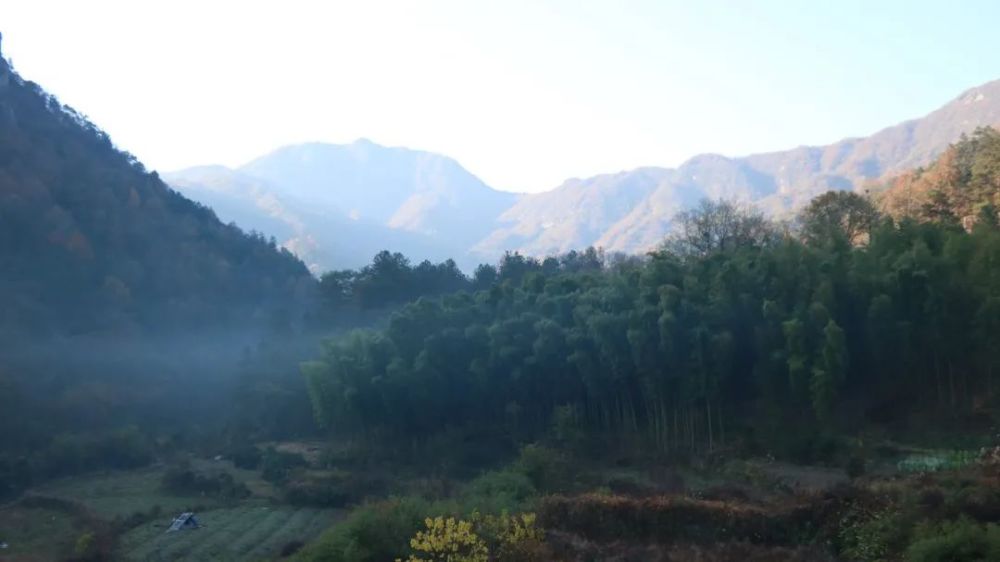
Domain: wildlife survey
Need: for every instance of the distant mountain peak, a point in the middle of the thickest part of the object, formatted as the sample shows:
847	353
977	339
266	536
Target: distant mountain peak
356	199
434	198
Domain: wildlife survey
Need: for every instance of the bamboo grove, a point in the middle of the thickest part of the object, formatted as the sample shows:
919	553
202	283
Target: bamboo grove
735	328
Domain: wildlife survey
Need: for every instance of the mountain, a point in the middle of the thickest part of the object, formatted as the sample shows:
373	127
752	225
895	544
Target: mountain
92	243
631	211
337	205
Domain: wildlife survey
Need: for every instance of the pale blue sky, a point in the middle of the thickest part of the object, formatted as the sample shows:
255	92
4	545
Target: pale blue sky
524	93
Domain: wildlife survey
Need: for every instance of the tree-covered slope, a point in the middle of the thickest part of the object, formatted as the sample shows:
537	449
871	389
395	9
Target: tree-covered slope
962	186
92	242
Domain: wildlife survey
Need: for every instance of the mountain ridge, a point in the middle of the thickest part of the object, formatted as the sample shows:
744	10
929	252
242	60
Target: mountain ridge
428	195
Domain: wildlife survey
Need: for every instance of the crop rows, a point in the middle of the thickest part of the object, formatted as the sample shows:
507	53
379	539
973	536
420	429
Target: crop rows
246	533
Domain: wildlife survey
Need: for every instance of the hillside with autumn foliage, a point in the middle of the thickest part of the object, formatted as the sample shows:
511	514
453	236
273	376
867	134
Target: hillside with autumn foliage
961	187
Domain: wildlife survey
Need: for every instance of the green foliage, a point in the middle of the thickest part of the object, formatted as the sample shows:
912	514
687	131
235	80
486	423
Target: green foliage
870	537
957	541
373	533
838	217
245	455
86	547
182	480
499	490
548	470
276	466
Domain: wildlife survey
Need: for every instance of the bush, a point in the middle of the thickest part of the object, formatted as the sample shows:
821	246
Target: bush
548	469
275	466
86	547
245	455
448	540
182	480
373	533
499	490
870	536
317	494
958	541
511	538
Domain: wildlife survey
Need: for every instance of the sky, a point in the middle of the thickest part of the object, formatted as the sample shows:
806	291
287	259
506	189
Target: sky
523	93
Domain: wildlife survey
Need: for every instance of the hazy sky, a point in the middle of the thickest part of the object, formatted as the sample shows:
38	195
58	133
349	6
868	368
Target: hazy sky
523	93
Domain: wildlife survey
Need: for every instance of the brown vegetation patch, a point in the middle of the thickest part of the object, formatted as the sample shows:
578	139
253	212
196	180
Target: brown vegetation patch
572	548
666	519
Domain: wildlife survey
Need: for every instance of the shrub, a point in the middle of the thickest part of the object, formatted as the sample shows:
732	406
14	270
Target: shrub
547	468
510	538
499	490
182	480
275	466
86	547
869	536
448	540
317	494
245	455
373	533
957	541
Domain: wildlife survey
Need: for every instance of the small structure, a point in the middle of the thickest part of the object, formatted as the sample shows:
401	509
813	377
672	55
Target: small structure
184	521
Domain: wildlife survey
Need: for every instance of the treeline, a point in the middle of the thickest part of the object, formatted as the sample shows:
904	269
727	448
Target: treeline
391	280
270	397
735	328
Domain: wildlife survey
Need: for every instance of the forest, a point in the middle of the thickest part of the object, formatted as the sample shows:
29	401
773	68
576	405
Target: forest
738	329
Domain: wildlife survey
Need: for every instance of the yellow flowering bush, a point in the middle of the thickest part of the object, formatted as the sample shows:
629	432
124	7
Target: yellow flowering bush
448	540
481	539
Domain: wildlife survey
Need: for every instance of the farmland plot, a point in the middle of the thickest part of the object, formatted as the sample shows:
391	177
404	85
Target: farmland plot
243	533
121	493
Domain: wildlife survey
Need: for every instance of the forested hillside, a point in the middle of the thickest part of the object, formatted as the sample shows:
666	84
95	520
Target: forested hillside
961	187
735	329
92	242
117	296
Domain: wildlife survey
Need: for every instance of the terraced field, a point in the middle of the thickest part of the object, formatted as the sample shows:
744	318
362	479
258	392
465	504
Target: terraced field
243	533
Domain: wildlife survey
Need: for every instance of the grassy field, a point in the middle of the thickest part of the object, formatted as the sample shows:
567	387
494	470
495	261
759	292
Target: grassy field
121	493
242	533
36	534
